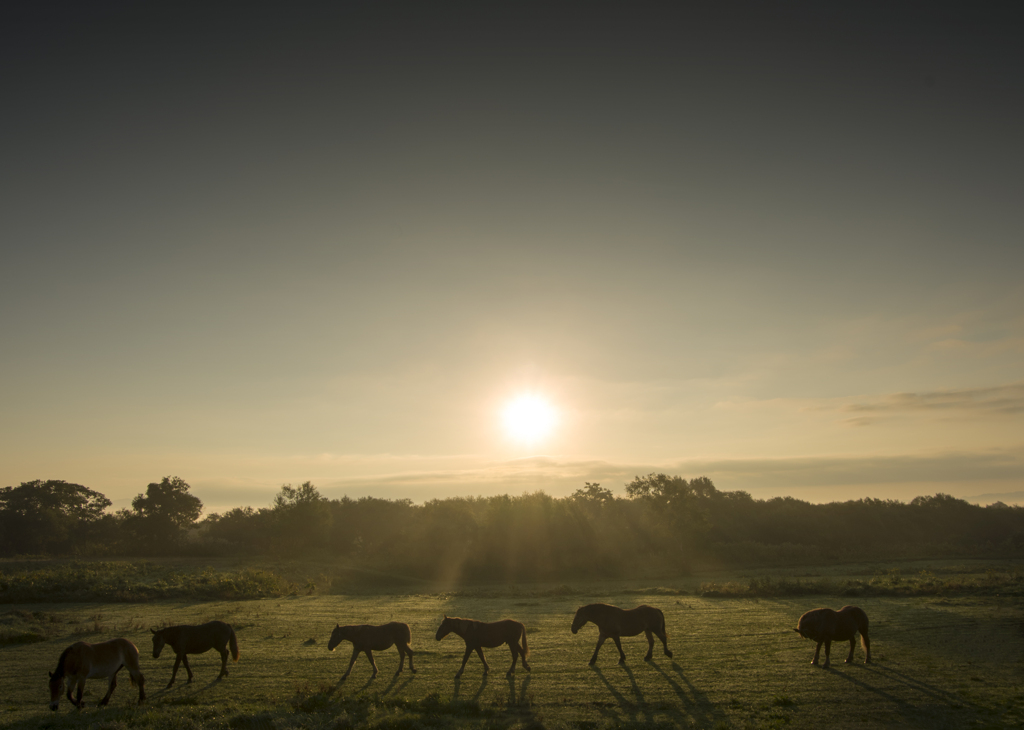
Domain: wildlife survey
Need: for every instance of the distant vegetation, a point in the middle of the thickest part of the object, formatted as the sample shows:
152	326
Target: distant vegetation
664	525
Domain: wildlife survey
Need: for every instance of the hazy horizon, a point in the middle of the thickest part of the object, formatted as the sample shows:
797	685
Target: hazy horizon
777	246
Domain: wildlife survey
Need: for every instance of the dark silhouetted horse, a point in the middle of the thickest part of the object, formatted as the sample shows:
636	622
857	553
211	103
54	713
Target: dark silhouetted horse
82	661
479	635
368	639
824	626
185	640
613	622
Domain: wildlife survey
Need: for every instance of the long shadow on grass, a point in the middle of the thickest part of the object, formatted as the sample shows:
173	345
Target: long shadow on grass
909	710
701	709
458	687
916	684
633	709
393	682
513	698
183	694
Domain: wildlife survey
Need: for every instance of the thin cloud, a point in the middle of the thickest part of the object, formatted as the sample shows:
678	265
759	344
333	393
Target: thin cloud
1003	400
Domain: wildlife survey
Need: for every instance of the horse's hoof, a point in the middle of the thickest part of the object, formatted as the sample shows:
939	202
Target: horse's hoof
412	670
668	653
169	685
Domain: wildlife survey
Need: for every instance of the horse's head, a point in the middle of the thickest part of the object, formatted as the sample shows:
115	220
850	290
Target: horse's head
337	636
158	643
56	687
446	627
578	620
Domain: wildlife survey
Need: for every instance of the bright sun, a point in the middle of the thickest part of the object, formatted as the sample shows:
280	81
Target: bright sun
529	418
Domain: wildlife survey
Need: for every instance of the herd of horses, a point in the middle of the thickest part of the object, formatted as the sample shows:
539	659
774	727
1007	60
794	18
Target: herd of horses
82	661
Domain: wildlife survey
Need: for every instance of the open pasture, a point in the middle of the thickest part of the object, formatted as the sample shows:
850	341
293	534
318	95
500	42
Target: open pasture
938	662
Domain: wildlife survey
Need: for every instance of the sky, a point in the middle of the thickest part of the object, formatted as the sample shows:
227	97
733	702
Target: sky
777	244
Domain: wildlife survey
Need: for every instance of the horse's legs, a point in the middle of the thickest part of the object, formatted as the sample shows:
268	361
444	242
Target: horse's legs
355	653
78	695
817	651
110	688
828	652
522	654
141	681
853	642
664	642
622	654
480	651
600	642
514	648
223	662
369	655
403	650
465	658
867	646
174	672
184	660
650	646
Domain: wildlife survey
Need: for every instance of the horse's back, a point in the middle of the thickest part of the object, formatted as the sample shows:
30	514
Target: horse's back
497	633
854	616
101	659
824	623
399	632
195	639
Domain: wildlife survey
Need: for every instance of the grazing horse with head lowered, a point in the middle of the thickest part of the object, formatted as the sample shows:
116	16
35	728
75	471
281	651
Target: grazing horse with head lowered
82	661
479	635
613	622
186	640
824	626
368	639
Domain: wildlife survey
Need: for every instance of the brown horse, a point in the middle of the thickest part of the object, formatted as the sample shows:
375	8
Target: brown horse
479	635
613	622
82	661
824	626
195	640
368	639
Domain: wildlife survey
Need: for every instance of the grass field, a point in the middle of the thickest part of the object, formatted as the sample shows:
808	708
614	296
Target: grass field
951	661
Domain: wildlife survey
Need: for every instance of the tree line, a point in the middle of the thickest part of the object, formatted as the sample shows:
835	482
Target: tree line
663	524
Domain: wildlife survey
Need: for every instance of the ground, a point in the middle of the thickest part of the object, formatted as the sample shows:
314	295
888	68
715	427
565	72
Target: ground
938	661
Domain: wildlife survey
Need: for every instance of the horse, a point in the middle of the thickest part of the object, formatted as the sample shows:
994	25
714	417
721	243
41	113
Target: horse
195	640
613	622
368	639
824	626
82	661
478	635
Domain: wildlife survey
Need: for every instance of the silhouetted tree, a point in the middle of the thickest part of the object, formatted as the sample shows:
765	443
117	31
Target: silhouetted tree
51	516
160	516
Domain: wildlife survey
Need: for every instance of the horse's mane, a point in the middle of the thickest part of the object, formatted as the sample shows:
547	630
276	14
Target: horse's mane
60	662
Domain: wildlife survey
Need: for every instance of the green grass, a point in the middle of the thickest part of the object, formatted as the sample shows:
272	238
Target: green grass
940	661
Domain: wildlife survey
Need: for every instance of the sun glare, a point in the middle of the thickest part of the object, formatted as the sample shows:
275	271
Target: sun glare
529	418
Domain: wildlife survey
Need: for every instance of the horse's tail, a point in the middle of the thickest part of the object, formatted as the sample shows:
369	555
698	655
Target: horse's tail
865	642
234	644
526	648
